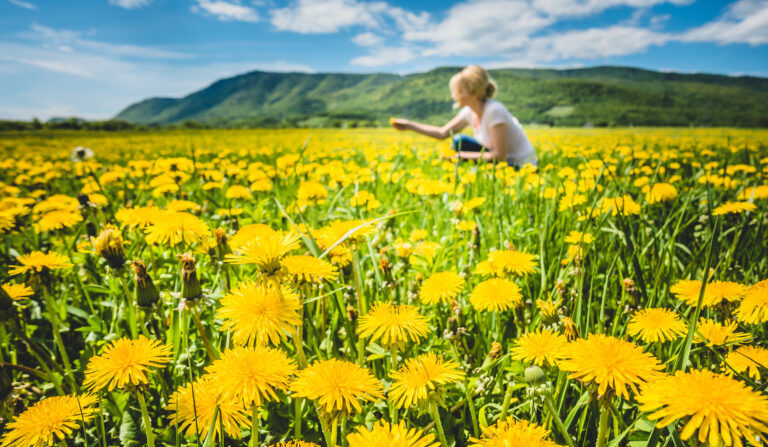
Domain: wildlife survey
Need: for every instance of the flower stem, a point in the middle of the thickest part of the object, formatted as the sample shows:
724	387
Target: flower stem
506	402
145	418
297	418
556	417
602	428
393	405
208	348
254	442
57	334
433	411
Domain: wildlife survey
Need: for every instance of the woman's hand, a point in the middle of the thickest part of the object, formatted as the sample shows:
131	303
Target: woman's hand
399	123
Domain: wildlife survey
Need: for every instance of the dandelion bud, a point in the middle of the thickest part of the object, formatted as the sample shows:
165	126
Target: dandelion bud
109	245
351	313
493	354
403	249
190	285
6	306
534	376
452	324
571	331
385	266
628	285
146	292
83	200
222	247
90	229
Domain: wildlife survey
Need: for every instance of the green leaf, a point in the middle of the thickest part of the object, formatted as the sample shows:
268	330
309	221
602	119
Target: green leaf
131	434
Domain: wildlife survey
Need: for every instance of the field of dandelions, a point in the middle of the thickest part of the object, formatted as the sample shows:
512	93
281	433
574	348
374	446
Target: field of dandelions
356	288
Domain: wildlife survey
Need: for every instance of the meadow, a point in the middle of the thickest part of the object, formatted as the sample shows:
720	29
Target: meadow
358	288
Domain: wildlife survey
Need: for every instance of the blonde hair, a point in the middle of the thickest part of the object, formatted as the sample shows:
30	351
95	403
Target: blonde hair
473	80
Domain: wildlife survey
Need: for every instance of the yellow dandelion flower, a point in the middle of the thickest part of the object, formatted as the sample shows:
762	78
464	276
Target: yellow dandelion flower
733	208
177	228
337	386
753	309
385	435
310	269
474	203
18	291
578	238
110	245
355	232
39	262
611	363
754	193
49	421
548	308
182	205
688	290
513	433
749	359
507	262
496	294
266	251
250	232
418	235
661	192
125	362
540	348
656	325
190	412
259	313
717	406
57	220
251	374
238	192
466	225
420	378
139	217
441	287
312	191
393	324
295	444
716	334
615	205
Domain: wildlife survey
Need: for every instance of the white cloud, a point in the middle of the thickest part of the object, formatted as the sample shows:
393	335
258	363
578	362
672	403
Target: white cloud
69	41
227	10
385	56
367	39
324	16
130	4
23	4
481	28
564	8
745	21
596	43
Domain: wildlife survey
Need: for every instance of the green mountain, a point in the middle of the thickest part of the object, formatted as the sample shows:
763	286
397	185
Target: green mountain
601	96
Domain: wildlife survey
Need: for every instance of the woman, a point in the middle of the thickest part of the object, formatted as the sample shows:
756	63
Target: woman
499	135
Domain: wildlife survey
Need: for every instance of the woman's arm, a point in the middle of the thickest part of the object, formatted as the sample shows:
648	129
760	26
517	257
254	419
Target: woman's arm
498	147
454	125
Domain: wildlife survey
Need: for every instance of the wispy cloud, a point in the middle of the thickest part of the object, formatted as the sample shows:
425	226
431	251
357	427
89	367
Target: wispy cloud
385	56
745	21
25	5
130	4
226	10
69	40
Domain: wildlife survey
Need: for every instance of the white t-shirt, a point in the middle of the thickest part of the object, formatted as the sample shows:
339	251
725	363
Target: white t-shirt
520	149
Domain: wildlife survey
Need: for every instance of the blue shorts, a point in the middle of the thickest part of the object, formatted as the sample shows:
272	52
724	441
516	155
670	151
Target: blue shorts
465	143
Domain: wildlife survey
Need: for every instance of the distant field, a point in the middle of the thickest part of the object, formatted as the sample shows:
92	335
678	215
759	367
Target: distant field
224	287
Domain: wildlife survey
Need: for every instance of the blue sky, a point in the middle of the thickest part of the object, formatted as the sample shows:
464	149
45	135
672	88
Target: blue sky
91	58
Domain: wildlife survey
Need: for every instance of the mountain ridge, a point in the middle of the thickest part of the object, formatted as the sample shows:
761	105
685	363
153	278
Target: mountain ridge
602	95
